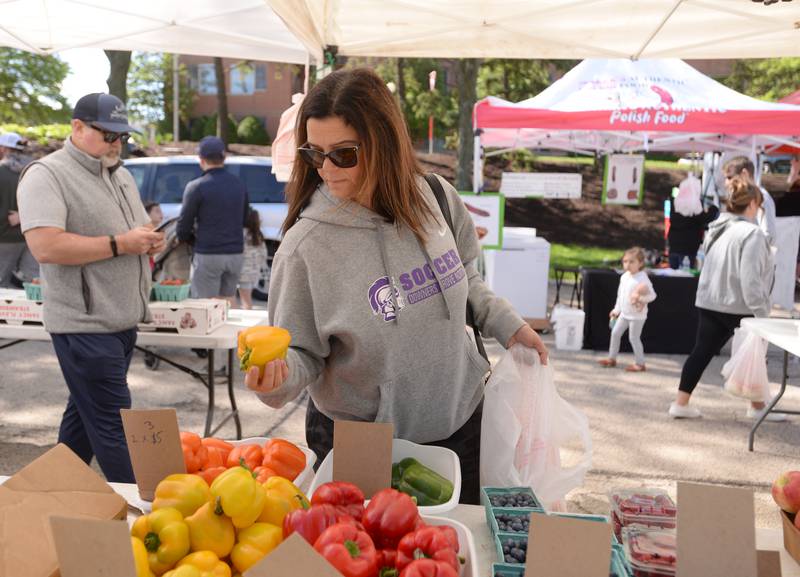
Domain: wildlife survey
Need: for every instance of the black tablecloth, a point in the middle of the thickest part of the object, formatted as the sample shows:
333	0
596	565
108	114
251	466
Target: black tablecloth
671	320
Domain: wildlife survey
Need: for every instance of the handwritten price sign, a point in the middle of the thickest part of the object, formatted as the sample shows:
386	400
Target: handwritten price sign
154	446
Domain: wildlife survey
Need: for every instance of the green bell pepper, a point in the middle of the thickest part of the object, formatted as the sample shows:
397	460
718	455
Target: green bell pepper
427	486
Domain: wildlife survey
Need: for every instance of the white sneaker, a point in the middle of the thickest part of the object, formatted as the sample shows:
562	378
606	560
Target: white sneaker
754	414
677	411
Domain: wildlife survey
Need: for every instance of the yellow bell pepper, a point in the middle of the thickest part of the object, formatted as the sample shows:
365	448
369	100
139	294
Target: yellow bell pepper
165	536
211	530
260	345
186	493
185	571
239	495
283	496
140	558
254	543
208	563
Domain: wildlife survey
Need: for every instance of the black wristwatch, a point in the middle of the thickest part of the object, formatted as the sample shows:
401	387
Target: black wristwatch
113	242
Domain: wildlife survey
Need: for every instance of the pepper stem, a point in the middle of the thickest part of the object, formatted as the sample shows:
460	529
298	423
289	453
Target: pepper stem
303	502
152	542
419	554
352	548
218	510
244	362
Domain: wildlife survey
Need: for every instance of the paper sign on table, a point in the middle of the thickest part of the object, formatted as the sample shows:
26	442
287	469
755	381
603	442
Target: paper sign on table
716	531
92	548
154	445
293	558
362	455
769	564
567	547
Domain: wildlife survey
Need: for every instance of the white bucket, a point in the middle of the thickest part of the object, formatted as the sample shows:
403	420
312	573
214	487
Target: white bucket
568	323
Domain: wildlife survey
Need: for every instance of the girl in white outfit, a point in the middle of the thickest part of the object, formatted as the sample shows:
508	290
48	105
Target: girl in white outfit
630	311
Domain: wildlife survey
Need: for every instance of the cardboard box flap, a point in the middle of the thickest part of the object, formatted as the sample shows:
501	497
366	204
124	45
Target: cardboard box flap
28	549
59	469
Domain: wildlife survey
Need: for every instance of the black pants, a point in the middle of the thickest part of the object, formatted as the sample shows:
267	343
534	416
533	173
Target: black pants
465	442
95	367
713	331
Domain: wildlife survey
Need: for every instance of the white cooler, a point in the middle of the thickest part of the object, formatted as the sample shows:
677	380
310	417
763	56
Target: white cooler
519	272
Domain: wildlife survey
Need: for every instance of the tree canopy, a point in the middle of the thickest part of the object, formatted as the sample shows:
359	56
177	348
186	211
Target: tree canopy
767	79
30	88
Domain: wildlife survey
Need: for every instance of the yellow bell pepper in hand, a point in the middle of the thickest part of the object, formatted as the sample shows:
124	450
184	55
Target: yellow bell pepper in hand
283	497
186	493
140	558
165	536
260	345
211	530
254	543
185	571
208	564
239	495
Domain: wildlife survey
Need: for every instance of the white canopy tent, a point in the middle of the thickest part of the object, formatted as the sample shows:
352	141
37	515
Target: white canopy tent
571	29
246	29
621	105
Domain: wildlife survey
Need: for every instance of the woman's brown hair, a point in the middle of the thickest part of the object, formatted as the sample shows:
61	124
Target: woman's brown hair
742	193
390	169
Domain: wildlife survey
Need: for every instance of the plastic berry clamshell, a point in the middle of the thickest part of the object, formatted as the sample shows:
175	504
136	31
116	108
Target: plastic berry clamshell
645	507
650	552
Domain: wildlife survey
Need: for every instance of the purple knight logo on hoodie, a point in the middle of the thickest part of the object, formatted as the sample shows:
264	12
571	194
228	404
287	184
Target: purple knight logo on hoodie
381	301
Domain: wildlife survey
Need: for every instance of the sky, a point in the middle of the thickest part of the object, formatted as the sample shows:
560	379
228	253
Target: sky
88	72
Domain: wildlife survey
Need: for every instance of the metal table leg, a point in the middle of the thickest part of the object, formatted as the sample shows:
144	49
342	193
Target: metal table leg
210	387
232	397
773	402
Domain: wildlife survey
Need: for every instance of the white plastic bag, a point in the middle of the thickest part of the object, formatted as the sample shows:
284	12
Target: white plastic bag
746	371
525	425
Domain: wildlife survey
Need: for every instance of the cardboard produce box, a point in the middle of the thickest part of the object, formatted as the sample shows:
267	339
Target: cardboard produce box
16	309
791	536
56	484
190	316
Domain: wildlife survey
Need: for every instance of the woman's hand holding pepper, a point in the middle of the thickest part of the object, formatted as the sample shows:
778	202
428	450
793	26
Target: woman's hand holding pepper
275	373
529	338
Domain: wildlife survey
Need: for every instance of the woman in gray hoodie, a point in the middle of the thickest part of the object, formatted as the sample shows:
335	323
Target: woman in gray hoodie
735	283
372	283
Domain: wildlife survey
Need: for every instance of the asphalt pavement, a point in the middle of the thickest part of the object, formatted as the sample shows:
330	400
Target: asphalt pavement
635	442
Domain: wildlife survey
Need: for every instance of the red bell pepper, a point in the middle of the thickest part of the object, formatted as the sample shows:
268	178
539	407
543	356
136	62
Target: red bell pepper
387	563
390	515
310	523
350	550
429	568
427	543
341	494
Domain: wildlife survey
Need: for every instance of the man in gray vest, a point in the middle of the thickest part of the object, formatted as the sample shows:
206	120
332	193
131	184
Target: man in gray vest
83	220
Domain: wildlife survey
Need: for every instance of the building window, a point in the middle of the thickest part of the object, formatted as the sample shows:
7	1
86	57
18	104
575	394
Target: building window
243	79
191	70
261	77
206	79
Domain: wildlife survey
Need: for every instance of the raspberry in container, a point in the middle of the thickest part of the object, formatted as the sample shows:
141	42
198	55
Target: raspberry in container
651	552
647	507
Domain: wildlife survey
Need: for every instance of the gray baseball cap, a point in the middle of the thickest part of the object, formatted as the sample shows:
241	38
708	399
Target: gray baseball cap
105	111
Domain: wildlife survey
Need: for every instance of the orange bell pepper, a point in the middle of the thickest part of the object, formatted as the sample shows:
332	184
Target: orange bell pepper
223	447
195	454
283	457
263	473
252	455
210	473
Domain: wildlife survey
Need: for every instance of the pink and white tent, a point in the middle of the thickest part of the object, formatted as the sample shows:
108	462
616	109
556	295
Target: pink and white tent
622	105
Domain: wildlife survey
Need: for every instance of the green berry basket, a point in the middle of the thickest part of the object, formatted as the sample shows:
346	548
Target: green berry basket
33	292
171	292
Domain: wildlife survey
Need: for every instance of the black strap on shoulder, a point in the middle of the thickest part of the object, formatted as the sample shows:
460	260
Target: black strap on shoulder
438	192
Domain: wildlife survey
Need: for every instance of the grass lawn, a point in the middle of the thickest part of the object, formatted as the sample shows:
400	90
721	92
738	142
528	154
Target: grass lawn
573	255
587	160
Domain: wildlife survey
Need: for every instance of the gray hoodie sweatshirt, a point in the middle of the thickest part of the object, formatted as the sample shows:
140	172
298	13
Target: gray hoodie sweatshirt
738	269
378	319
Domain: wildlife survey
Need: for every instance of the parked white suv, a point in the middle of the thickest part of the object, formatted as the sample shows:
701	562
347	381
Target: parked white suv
163	179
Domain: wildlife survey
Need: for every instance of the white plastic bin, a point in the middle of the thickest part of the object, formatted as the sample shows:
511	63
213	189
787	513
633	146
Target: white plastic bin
568	323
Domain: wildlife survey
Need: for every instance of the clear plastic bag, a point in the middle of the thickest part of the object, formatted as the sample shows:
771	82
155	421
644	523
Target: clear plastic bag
746	371
525	426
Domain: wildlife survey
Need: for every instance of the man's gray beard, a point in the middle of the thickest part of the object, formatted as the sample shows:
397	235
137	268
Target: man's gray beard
109	160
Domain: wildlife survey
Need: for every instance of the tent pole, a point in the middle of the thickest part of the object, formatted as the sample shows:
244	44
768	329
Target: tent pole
307	70
477	164
176	125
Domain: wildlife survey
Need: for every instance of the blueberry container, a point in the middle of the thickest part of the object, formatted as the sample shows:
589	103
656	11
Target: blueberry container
508	570
521	542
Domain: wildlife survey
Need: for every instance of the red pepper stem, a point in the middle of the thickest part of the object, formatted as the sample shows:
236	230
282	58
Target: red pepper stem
419	554
352	548
388	572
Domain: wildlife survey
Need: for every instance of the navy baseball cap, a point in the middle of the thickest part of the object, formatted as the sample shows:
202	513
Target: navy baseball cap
211	146
104	111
